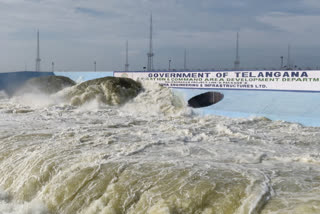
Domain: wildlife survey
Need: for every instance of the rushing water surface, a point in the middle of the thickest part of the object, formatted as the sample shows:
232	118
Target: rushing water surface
151	155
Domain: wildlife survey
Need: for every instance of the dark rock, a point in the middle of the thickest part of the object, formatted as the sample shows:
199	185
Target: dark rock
46	84
108	90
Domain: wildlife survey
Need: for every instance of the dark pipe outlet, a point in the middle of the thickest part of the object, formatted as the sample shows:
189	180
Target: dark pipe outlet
205	99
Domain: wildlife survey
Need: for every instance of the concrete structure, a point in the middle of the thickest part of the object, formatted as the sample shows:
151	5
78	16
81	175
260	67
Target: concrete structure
150	54
288	105
237	61
38	60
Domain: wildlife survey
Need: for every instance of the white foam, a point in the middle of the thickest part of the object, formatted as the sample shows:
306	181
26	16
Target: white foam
155	100
34	100
26	208
9	206
4	196
3	95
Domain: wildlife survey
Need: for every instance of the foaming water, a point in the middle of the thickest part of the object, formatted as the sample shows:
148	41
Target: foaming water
151	155
156	100
3	95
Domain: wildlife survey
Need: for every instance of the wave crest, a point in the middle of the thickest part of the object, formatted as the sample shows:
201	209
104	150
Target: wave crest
107	90
156	100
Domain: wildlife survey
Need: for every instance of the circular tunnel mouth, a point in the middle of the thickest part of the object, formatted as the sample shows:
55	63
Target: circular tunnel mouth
205	99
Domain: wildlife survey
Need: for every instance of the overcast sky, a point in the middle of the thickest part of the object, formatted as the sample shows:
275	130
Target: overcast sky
75	33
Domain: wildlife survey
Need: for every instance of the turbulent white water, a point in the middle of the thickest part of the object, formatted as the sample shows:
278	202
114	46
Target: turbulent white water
151	155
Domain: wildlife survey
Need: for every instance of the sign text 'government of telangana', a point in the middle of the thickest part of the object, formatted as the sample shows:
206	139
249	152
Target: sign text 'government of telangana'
262	80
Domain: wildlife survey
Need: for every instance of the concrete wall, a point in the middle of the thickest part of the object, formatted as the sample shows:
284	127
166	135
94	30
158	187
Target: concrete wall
300	107
288	106
11	81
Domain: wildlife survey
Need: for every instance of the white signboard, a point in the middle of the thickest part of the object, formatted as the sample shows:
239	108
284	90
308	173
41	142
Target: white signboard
236	80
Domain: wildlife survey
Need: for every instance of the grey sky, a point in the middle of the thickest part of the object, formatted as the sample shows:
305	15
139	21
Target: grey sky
75	33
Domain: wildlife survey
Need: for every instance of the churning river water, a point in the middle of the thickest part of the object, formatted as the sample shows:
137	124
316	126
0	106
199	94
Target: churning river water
151	155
